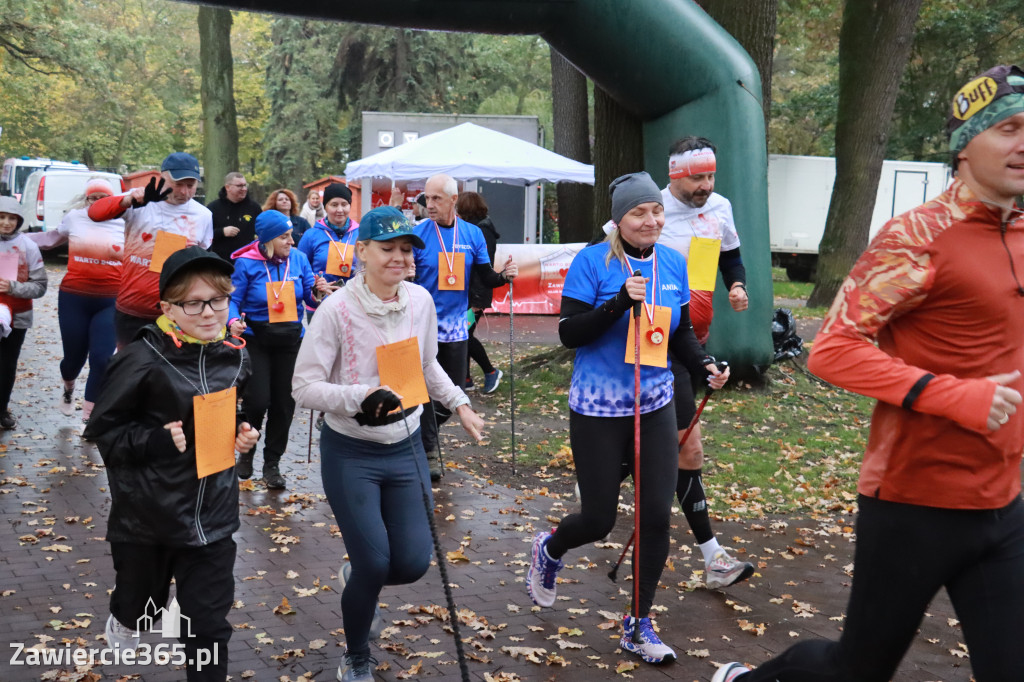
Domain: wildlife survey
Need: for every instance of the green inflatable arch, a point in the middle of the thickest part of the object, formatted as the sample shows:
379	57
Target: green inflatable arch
668	63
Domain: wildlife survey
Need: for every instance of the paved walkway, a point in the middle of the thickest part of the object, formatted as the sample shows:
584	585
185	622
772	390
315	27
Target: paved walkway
55	573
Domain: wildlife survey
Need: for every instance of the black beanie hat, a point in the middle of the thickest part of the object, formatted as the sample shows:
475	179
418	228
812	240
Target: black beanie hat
335	190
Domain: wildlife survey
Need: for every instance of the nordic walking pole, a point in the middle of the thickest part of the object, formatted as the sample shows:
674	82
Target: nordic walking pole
309	448
636	465
442	565
614	573
511	369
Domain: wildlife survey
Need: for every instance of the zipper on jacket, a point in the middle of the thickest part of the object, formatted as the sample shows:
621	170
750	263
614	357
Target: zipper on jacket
202	482
1013	270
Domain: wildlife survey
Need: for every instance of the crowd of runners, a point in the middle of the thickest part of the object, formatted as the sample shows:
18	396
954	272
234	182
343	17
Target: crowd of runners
205	327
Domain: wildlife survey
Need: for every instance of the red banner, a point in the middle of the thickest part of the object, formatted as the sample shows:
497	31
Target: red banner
542	270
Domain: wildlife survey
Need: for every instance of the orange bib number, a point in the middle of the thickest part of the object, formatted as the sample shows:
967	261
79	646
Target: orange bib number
281	302
401	369
339	260
215	431
453	279
653	338
166	243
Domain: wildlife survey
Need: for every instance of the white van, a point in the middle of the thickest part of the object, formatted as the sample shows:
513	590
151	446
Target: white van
48	195
16	171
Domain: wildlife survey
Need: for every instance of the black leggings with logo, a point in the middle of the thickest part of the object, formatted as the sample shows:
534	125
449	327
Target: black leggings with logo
602	447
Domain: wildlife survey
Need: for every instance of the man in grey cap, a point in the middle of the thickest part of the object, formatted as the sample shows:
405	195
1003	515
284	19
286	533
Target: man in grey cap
161	216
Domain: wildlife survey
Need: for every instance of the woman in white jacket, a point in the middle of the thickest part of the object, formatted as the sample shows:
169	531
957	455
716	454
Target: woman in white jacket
373	465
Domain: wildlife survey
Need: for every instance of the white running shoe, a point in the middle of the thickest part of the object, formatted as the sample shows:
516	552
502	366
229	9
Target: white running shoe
356	668
723	570
541	578
377	625
646	644
66	404
729	672
120	636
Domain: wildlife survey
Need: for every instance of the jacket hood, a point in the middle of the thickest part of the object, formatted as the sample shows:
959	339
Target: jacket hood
250	251
13	206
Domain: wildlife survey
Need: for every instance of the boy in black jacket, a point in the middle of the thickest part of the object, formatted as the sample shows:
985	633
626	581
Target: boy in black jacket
173	509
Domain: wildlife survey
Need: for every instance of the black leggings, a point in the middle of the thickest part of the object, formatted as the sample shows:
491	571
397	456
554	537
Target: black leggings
905	554
10	351
454	360
269	394
477	351
601	447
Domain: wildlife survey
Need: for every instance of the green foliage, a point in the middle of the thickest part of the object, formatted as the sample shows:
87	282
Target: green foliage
954	42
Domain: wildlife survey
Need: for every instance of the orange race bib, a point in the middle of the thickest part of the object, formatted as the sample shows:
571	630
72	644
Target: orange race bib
339	259
653	337
215	431
454	278
281	302
166	243
401	369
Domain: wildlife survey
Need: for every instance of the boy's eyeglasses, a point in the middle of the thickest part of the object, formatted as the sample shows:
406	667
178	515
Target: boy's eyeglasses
197	307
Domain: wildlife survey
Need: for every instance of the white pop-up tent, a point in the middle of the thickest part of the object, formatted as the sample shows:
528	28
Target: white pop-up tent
471	152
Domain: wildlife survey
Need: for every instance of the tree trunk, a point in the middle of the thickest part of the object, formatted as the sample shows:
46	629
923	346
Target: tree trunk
618	149
752	24
220	126
571	119
874	44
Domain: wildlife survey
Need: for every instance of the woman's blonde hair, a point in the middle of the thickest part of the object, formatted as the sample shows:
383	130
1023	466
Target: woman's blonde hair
615	249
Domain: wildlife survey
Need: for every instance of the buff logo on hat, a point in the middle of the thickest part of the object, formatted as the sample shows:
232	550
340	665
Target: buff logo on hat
691	162
974	97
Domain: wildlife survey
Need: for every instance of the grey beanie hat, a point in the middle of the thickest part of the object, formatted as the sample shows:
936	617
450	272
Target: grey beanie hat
631	190
13	206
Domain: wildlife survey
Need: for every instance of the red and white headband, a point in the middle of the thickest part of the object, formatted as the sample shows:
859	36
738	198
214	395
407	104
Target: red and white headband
691	162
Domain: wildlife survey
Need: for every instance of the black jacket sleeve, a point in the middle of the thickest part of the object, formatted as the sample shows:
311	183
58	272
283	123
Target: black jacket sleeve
581	323
121	434
488	276
685	346
731	266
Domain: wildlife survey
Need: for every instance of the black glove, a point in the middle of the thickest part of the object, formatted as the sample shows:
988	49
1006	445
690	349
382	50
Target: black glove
375	407
152	192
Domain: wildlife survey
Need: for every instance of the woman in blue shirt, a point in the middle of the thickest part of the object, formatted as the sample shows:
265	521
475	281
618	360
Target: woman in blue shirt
272	281
600	291
336	233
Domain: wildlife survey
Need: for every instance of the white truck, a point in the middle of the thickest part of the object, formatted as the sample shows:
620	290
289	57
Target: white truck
799	192
48	194
16	171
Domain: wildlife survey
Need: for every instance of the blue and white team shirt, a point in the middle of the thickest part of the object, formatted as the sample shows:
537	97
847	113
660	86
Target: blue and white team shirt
452	325
602	382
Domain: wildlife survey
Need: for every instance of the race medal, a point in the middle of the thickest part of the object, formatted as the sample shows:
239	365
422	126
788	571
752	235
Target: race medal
339	259
400	368
653	338
281	306
215	431
702	263
451	278
165	244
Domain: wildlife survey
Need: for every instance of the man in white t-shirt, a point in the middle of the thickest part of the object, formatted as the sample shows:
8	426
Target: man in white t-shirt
699	224
164	207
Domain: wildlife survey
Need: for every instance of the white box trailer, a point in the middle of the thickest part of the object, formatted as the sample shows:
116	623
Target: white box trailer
799	192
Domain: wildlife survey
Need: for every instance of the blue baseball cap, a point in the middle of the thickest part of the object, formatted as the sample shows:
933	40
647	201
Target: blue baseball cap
387	222
180	165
